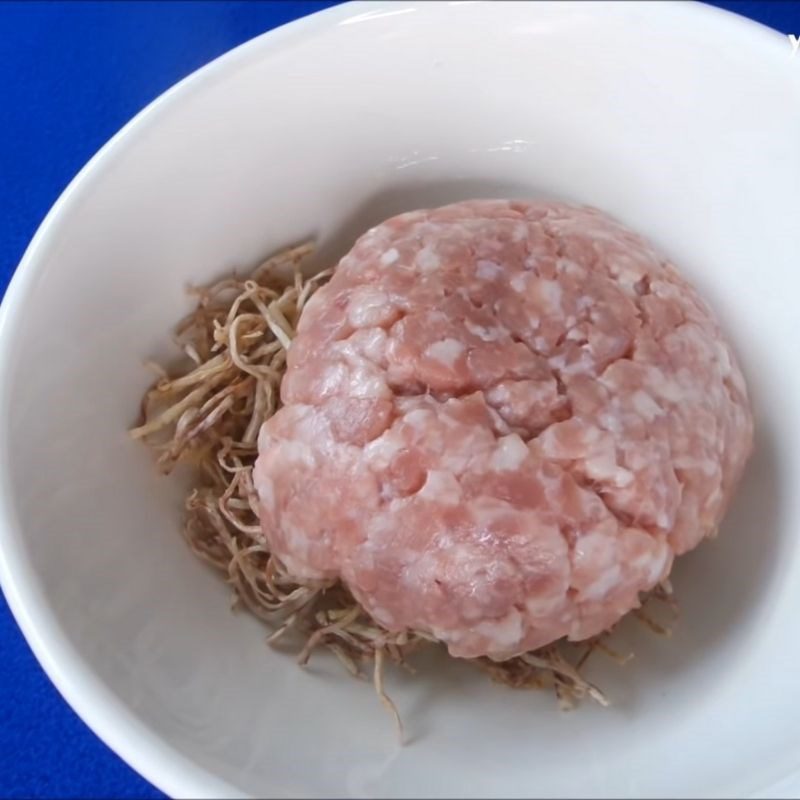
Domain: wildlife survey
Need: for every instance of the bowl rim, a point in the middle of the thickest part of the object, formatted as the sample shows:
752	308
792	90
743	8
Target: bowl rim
107	716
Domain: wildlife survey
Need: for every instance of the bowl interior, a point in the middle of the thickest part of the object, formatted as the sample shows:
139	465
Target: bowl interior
680	120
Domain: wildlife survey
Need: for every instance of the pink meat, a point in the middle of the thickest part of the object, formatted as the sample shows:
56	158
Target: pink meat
501	423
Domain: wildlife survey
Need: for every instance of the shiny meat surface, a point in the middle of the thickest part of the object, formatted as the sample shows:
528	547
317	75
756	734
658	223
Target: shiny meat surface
501	423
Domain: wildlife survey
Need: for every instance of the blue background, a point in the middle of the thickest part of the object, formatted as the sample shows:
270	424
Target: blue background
71	74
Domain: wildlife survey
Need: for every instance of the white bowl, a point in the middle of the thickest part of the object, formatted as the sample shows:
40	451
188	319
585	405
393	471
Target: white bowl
681	120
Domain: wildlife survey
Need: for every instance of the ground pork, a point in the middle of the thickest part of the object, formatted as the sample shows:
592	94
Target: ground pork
501	423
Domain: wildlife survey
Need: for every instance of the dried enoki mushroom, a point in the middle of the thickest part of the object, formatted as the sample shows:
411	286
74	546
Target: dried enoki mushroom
209	415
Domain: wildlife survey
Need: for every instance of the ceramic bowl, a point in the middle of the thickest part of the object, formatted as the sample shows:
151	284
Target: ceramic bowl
681	120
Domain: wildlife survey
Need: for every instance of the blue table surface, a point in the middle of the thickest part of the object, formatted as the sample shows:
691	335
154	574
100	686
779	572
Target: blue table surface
72	74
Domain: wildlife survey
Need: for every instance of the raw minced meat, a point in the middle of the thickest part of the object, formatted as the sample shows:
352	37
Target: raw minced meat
501	423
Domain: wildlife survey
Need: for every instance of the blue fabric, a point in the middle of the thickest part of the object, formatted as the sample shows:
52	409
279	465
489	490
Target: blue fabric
71	74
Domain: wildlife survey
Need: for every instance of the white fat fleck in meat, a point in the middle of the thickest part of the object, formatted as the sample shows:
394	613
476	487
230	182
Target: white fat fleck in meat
382	450
575	335
612	422
383	616
505	633
448	351
664	521
427	260
485	333
519	232
604	468
265	440
418	418
479	429
540	344
645	406
552	294
366	382
568	267
509	454
655	564
298	453
518	283
603	584
334	376
369	307
544	605
389	257
266	492
441	487
488	270
671	391
368	343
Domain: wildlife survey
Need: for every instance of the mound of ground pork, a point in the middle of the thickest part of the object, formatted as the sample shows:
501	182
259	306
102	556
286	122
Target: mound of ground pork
501	423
